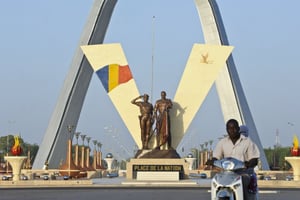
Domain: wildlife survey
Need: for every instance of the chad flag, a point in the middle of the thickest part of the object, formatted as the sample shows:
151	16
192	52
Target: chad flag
113	75
109	63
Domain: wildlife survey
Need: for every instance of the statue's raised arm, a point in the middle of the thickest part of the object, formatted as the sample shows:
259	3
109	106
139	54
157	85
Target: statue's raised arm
145	119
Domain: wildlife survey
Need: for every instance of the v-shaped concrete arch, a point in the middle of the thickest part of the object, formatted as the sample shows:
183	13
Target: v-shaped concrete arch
231	95
70	102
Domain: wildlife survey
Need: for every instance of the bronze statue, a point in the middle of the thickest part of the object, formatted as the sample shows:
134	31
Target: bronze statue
145	118
161	114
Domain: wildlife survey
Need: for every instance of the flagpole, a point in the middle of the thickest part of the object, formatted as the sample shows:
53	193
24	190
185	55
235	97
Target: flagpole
152	59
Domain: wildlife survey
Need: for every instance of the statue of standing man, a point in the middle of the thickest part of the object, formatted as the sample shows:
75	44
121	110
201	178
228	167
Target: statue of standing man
161	114
146	110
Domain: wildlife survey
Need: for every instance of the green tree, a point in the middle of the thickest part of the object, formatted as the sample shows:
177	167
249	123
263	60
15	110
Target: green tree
276	157
33	148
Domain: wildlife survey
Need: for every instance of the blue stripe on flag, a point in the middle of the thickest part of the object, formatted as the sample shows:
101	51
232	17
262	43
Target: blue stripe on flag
103	76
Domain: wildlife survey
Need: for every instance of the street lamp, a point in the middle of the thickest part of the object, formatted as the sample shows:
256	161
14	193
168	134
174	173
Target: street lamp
210	144
95	143
70	129
77	136
82	138
99	156
202	147
77	149
87	163
88	139
206	144
99	146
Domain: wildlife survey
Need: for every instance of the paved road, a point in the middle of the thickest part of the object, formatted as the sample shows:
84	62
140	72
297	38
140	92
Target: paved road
129	194
113	189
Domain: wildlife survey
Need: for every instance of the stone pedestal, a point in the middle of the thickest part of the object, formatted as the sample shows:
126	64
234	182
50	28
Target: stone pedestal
68	168
191	162
109	162
152	166
16	163
295	162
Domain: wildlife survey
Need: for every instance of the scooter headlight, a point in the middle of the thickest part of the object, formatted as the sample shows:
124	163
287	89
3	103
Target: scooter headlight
228	165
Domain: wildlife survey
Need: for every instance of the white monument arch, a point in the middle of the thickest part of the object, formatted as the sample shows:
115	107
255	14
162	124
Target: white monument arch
232	99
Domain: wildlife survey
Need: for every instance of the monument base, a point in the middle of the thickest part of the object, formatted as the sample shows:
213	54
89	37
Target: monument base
16	163
295	162
142	169
158	176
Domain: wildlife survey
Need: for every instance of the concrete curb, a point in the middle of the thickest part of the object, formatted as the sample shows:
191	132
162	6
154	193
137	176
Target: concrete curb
123	183
278	184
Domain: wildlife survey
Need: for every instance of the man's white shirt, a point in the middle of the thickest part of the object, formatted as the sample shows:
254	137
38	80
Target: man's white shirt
244	149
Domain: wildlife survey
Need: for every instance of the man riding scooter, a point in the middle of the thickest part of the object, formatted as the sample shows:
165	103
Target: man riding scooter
242	148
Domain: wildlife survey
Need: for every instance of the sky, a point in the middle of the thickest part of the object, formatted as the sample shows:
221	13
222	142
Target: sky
39	38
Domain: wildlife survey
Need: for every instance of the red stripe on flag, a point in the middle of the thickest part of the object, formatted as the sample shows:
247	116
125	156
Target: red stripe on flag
124	74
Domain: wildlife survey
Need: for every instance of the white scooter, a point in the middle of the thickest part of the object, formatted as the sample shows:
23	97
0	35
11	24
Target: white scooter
228	184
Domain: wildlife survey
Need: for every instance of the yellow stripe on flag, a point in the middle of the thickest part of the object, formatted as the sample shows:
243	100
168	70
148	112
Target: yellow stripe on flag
113	76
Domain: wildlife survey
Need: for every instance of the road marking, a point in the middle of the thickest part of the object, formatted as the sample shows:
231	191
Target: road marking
268	192
262	191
